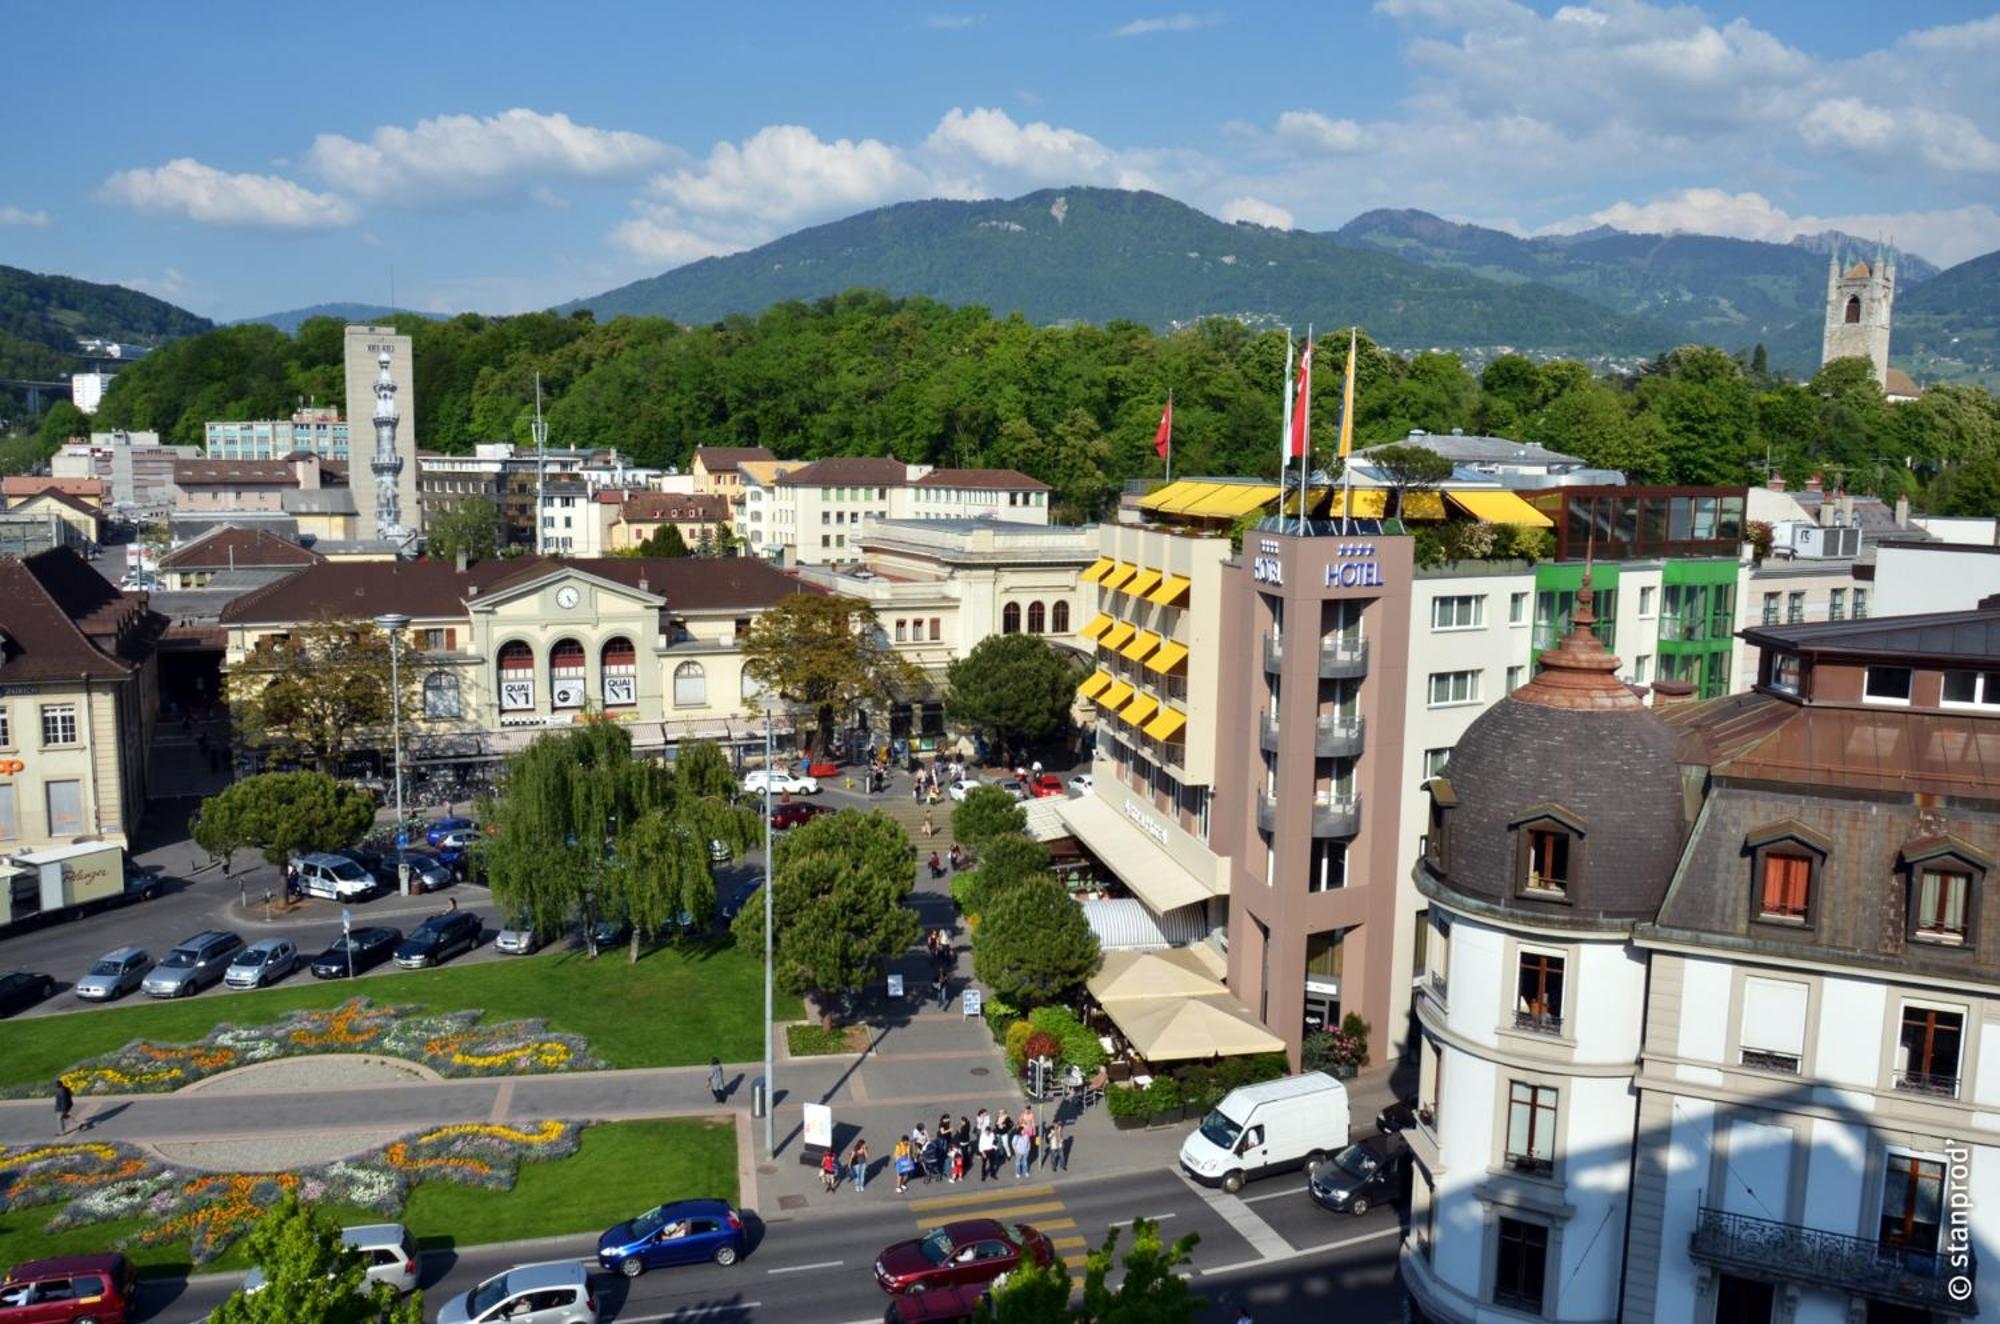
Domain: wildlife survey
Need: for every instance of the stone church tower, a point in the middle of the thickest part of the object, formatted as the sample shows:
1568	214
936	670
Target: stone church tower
1858	301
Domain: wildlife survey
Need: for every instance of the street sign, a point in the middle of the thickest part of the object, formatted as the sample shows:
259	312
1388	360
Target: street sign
346	920
819	1125
969	1003
895	986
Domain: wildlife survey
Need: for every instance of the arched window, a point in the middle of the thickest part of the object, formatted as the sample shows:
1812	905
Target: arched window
1037	618
619	662
566	665
1010	618
1059	618
441	698
1853	308
517	676
690	686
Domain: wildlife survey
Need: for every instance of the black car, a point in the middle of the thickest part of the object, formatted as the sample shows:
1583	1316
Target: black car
368	947
741	897
438	939
23	989
1376	1171
1399	1115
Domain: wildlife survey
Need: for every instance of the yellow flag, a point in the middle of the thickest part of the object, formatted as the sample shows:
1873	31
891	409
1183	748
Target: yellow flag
1347	399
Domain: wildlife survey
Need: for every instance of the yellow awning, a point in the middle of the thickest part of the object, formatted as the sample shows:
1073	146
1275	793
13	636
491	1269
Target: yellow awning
1136	712
1167	725
1098	680
1170	656
1142	643
1141	582
1177	497
1496	507
1372	502
1098	625
1114	698
1113	578
1119	634
1233	499
1097	568
1169	593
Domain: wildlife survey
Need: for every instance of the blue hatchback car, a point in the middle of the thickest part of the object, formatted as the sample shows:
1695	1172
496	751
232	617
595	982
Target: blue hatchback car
440	828
684	1232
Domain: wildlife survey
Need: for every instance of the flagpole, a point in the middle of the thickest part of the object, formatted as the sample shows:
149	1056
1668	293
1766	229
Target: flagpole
1285	432
1170	436
1347	424
1305	430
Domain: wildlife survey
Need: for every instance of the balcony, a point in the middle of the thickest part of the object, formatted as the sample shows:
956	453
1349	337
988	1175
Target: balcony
1792	1253
1274	653
1332	815
1934	1083
1795	614
1342	657
1438	987
1771	615
1539	1022
1683	629
1337	737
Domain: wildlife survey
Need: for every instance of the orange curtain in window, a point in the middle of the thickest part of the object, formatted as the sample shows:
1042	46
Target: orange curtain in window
1785	879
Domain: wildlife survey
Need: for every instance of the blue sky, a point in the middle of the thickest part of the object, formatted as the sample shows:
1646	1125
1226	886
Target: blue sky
244	158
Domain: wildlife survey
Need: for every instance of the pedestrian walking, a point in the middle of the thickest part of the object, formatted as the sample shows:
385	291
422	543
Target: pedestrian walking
943	992
715	1084
829	1171
64	1102
930	829
1022	1146
1053	1141
857	1162
987	1154
904	1165
1030	1128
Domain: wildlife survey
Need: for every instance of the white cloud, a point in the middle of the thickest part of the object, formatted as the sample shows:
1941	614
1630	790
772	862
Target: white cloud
34	220
1257	212
1146	27
1035	151
1944	236
187	188
1308	130
654	238
786	171
462	158
1945	140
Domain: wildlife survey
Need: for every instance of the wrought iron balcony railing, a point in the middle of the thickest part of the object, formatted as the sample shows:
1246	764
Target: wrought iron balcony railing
1541	1022
1874	1269
1927	1082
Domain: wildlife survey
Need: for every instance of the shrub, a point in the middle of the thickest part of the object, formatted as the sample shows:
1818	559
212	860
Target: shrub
1040	1043
1198	1087
1356	1029
1128	1101
998	1014
965	893
1017	1045
1164	1094
1079	1046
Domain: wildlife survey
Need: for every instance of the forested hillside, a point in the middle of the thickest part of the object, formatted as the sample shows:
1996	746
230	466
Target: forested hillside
42	316
1074	405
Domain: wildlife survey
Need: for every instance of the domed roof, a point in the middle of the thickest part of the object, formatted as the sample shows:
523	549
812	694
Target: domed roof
1574	751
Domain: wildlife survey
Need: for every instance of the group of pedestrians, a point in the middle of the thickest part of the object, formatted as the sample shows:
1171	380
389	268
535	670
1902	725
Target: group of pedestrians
954	860
988	1144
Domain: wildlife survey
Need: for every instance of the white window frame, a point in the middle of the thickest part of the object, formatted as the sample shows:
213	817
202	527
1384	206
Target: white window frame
1868	676
1451	678
1985	689
60	712
1646	604
1454	605
1436	761
1519	608
1517	676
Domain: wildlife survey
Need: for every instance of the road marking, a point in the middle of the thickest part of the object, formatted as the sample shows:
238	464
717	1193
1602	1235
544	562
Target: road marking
984	1197
1150	1218
1055	1225
1301	1253
1068	1243
1243	1221
697	1312
1006	1211
1276	1195
1075	1261
801	1268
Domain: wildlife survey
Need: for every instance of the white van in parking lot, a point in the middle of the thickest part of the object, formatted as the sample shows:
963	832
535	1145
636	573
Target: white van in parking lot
1276	1126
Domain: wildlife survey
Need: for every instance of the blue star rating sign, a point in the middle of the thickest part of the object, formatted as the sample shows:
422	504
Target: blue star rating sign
1354	566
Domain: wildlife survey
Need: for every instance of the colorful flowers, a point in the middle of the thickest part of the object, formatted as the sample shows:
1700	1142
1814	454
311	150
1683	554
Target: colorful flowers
43	1174
453	1043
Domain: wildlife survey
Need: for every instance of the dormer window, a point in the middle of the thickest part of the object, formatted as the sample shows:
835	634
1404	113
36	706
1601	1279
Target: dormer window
1548	860
1785	861
1549	853
1443	801
1888	685
1942	874
1785	673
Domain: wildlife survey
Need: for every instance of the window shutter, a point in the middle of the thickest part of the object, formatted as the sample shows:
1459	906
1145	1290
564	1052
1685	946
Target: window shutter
1774	1016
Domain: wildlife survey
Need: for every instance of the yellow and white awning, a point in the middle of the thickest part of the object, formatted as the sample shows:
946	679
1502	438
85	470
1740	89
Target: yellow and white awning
1142	583
1142	643
1167	725
1099	623
1170	656
1115	638
1136	712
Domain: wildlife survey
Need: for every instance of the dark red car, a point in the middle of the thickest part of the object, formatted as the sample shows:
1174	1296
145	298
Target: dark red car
1046	785
940	1305
101	1288
796	814
970	1253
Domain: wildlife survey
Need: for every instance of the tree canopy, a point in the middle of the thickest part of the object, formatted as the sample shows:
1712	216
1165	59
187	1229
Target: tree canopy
281	814
1152	1289
986	813
470	525
1034	943
310	1276
319	690
1014	689
827	654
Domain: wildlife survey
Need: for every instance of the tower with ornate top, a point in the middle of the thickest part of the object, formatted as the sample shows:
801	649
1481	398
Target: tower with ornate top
1859	299
387	465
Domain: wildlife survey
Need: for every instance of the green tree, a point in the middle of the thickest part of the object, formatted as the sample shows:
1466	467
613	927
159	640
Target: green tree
281	814
61	421
838	896
1034	943
1972	488
317	691
554	828
827	654
1409	469
1002	862
311	1276
1153	1289
664	541
985	813
1014	689
661	872
470	525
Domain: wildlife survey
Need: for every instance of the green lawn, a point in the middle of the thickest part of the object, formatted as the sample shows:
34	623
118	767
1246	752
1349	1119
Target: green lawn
813	1040
677	1006
621	1169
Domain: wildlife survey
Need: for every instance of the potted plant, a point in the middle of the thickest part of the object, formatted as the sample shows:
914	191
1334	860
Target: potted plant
1165	1096
1129	1106
1199	1092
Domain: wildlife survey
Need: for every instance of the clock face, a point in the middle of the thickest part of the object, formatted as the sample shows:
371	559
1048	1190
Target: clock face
565	598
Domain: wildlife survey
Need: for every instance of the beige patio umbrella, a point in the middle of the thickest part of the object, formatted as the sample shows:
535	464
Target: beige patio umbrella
1170	974
1179	1028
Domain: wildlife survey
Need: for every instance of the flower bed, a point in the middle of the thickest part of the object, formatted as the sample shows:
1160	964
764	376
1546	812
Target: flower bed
97	1182
452	1043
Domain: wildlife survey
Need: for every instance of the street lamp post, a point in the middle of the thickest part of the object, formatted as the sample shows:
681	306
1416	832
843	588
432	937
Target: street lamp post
770	1130
393	624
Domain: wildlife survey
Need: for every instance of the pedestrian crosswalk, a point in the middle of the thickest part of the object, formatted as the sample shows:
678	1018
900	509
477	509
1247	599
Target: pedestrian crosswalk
1037	1206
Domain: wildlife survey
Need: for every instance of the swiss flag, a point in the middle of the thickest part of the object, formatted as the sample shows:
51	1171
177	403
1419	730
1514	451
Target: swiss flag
1163	440
1303	407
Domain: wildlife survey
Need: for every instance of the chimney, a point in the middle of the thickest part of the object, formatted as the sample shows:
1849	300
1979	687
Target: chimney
1777	483
1846	511
461	560
1903	511
1815	485
1668	692
644	587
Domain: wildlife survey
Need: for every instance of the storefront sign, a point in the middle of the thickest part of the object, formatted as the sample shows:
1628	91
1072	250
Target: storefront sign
1145	822
567	693
15	691
516	694
620	690
1265	567
1355	568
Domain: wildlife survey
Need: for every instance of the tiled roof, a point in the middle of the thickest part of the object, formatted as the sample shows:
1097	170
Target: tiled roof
1005	479
61	620
848	471
765	472
27	485
680	507
717	459
229	547
235	473
1898	382
1969	636
62	498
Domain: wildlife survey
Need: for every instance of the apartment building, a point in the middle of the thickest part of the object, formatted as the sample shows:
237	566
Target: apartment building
507	476
812	514
136	471
316	431
717	470
702	520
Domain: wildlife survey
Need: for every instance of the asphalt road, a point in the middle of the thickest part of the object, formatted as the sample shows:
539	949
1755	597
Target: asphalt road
1274	1251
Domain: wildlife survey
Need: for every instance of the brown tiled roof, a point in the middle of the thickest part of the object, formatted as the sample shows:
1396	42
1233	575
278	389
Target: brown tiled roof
230	547
235	473
60	620
1004	479
716	459
1898	382
843	471
680	507
27	485
78	504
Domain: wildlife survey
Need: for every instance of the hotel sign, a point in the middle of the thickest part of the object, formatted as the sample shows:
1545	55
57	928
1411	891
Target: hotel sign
1354	566
1265	567
1145	822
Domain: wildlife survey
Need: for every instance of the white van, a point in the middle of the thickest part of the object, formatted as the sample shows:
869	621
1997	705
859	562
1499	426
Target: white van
1278	1125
